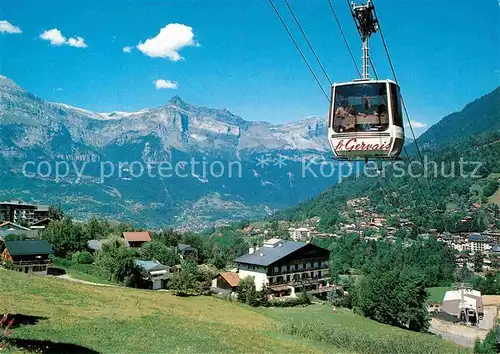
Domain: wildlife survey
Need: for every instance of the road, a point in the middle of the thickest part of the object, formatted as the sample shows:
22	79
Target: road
465	335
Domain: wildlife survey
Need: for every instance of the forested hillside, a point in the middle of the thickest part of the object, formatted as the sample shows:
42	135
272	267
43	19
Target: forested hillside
438	201
481	115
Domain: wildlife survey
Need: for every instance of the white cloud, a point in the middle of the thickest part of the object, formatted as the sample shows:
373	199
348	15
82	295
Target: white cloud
56	38
416	124
165	84
58	89
167	44
7	27
127	49
77	42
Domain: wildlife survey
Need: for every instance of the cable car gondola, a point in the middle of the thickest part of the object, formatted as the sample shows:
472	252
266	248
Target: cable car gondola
365	119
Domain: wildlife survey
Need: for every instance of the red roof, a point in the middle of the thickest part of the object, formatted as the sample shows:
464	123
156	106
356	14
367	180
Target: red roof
232	278
137	236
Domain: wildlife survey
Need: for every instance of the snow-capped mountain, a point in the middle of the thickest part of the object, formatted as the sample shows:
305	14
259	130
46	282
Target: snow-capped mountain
32	129
177	124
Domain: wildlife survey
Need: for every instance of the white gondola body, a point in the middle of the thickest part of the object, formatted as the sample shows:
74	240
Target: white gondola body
365	120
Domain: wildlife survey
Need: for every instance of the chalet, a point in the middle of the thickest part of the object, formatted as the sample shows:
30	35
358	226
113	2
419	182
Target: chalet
286	267
475	206
41	212
461	260
186	251
9	228
300	233
26	256
136	239
486	264
477	242
154	272
226	281
17	211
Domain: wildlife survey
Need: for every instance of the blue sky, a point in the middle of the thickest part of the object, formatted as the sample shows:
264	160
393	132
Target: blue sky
446	53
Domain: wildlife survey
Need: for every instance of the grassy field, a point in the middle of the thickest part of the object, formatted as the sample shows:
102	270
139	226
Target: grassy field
495	198
356	333
437	294
121	320
87	277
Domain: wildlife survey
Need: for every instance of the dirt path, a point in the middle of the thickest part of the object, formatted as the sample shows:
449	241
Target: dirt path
68	277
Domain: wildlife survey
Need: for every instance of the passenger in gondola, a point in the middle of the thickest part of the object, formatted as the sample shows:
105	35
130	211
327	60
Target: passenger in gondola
365	125
341	117
383	117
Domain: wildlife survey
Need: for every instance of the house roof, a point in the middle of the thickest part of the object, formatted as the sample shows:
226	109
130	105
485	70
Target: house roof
268	255
6	223
496	248
182	247
150	265
231	277
42	222
475	237
137	236
29	247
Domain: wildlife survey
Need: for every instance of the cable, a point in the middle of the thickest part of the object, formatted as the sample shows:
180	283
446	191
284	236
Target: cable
308	42
299	50
343	36
407	115
376	76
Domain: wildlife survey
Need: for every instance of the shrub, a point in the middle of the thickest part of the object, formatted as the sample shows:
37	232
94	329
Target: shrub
83	257
301	300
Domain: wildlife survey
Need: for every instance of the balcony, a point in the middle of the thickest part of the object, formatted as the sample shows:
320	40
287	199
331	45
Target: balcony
271	273
32	262
301	281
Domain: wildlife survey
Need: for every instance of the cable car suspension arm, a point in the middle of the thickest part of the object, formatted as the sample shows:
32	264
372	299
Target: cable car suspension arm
367	24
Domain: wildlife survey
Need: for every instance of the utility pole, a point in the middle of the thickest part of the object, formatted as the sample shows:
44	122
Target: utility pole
367	25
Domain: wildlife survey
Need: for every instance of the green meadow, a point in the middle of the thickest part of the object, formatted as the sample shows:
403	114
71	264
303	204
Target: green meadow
123	320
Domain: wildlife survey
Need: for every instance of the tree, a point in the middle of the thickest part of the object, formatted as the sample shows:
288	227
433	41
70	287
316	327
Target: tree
478	262
55	213
66	237
304	298
264	296
246	291
16	237
107	257
393	296
97	229
184	282
126	270
489	345
83	257
158	251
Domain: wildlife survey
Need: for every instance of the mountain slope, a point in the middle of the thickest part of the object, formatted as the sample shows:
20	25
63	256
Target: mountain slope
130	145
479	116
400	192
